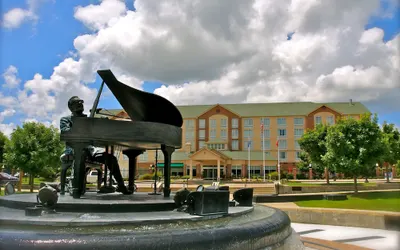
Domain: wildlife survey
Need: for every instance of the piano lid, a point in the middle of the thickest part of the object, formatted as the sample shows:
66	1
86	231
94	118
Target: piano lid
140	105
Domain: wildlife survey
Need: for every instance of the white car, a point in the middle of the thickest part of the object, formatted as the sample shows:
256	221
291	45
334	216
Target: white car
92	177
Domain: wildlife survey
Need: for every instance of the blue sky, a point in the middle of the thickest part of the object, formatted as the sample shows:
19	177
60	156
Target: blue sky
39	48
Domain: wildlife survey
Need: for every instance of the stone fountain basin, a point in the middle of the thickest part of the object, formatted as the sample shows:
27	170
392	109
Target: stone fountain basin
257	227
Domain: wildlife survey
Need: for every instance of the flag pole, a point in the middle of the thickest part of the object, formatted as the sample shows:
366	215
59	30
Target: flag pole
279	164
263	147
248	164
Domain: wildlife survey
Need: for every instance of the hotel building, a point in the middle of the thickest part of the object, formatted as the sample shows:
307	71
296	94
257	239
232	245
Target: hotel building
217	137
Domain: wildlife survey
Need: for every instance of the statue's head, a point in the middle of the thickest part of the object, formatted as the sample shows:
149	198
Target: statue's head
75	104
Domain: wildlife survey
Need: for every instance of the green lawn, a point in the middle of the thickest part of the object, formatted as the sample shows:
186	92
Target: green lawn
384	201
308	184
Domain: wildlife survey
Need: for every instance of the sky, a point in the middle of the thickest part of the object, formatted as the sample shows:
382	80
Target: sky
197	52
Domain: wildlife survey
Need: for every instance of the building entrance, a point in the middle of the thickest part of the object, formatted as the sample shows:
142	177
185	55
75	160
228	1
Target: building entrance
210	172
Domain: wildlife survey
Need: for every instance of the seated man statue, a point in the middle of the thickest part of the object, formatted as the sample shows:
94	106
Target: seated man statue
75	105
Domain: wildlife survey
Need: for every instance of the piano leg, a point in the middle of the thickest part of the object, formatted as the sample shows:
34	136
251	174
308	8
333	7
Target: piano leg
78	184
132	154
167	151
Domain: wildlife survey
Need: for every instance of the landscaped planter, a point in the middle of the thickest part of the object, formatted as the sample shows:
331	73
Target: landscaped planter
284	189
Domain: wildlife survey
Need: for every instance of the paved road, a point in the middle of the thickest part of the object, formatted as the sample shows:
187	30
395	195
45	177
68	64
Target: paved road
364	237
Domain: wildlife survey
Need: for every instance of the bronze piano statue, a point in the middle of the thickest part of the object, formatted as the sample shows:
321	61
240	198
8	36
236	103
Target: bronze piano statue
155	123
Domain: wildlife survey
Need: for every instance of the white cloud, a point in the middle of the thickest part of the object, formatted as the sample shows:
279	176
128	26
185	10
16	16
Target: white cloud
15	17
227	51
10	77
5	113
7	129
96	17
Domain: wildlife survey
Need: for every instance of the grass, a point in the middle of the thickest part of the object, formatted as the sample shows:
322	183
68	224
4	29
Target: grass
36	181
305	184
383	201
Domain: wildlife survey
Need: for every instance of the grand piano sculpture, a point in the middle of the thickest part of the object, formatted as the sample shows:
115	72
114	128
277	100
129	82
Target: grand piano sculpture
155	124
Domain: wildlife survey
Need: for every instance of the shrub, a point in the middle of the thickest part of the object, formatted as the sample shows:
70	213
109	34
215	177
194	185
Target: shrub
301	176
274	176
289	176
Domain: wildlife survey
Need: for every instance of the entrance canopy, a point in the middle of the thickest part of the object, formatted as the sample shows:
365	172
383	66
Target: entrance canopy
173	165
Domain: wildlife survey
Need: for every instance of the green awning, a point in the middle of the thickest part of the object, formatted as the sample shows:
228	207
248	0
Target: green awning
173	165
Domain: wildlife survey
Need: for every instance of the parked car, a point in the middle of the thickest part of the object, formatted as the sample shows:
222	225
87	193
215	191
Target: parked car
92	177
8	177
4	178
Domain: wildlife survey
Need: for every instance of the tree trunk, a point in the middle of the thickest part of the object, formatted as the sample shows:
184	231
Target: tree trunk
31	182
387	172
366	180
327	175
355	185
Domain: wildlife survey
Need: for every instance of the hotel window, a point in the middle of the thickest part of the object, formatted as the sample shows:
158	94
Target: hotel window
246	143
298	132
201	144
282	155
282	144
235	123
268	153
213	133
224	123
266	133
218	146
236	171
330	120
202	134
213	123
202	123
248	123
235	145
189	134
282	133
265	121
160	155
298	155
298	121
189	123
248	133
223	133
267	144
318	120
143	157
281	121
296	144
235	133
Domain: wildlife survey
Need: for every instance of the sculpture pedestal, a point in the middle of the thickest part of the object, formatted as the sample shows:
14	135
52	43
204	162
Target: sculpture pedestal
117	227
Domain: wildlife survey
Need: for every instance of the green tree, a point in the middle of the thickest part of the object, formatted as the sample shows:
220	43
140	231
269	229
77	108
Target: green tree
3	141
313	143
35	149
354	146
391	140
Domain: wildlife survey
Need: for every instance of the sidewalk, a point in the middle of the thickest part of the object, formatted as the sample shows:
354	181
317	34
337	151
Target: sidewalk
356	236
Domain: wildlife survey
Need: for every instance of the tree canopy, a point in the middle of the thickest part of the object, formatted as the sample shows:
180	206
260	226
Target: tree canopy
3	141
313	144
35	149
354	146
391	140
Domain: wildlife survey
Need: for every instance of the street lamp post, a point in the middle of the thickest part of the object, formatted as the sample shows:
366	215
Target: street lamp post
155	175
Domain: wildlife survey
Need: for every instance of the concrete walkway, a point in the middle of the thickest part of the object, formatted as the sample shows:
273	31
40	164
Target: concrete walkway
361	237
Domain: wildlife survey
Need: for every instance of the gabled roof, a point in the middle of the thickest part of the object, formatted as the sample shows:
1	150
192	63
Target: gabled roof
215	152
274	109
271	109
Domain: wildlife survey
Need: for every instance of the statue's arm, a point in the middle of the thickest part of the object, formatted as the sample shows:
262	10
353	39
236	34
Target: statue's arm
65	124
